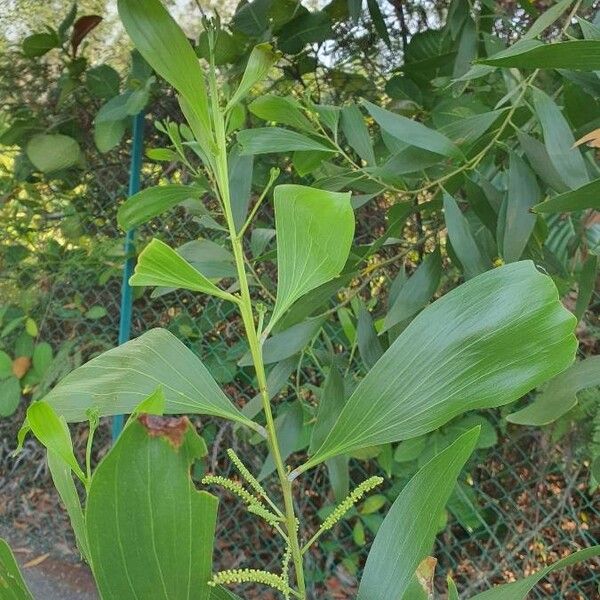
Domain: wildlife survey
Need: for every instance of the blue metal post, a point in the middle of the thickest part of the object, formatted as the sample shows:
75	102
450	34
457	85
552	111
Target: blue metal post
126	291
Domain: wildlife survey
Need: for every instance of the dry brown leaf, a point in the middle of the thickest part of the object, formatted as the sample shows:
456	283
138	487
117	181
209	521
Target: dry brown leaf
425	573
20	366
592	139
36	561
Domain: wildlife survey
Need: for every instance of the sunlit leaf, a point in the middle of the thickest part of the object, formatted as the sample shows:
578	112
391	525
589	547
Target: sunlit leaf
268	140
115	382
261	59
484	344
159	265
315	229
152	202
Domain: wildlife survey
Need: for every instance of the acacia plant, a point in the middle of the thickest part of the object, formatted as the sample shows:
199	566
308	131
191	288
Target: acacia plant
144	528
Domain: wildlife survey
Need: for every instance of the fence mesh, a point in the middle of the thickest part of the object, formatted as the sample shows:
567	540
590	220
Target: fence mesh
532	505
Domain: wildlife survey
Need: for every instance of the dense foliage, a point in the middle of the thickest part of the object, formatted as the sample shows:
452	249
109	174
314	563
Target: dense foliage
470	150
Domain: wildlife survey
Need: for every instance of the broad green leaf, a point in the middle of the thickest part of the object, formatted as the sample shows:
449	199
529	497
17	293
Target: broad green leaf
587	284
408	160
286	343
519	590
12	584
307	28
115	382
315	229
369	346
5	365
102	81
53	152
261	59
167	50
266	140
467	131
484	344
109	133
523	193
39	44
227	47
285	110
559	141
416	291
586	196
467	48
10	395
292	434
159	265
378	21
463	241
241	169
412	132
578	55
539	159
356	132
110	123
152	202
331	402
151	538
62	478
547	18
408	531
208	257
52	431
559	394
42	357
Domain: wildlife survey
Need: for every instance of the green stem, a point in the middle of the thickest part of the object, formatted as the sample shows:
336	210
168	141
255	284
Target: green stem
245	304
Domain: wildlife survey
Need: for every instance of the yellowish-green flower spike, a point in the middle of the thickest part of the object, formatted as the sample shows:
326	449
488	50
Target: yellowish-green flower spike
255	506
260	511
235	576
245	473
285	567
232	486
350	500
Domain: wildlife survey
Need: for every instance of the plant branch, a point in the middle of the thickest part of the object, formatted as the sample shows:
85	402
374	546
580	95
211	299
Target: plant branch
245	304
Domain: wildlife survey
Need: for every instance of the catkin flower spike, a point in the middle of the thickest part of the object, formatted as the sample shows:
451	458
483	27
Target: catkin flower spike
255	506
343	507
235	576
285	567
245	473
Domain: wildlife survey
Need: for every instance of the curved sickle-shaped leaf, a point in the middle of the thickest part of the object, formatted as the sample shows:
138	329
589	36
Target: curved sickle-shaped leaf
153	201
484	344
408	531
11	581
578	55
150	531
586	196
560	394
165	47
115	382
160	265
315	229
412	132
265	140
261	59
518	590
